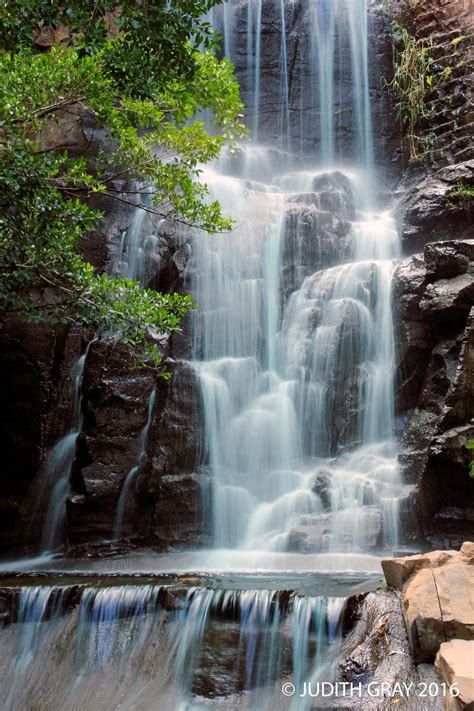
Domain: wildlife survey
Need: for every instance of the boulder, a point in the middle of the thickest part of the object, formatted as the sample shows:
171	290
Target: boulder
467	552
445	260
449	298
409	282
428	213
455	665
398	570
315	533
437	597
322	487
317	229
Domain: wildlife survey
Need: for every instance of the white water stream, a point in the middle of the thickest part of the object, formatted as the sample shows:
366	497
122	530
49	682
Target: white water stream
298	391
59	468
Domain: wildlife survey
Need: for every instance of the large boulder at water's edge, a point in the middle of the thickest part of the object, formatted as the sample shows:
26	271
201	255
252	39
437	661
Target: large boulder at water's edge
437	597
455	666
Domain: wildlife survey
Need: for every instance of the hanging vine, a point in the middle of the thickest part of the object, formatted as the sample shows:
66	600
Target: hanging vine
411	83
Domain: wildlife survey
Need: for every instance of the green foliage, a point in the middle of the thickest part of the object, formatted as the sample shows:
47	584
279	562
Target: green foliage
136	73
462	195
457	40
470	445
416	76
412	81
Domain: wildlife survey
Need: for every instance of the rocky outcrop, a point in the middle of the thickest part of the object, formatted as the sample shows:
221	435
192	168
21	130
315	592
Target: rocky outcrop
429	212
173	487
317	230
454	664
437	598
164	503
434	298
434	287
114	401
35	366
376	652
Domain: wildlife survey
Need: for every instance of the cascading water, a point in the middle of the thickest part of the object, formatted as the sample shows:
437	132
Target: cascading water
298	391
137	248
293	346
135	254
95	647
131	477
59	466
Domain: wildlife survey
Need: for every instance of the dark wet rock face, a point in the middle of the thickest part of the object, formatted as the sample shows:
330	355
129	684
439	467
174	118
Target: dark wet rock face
434	299
115	411
35	365
164	503
317	230
179	514
428	212
170	487
304	103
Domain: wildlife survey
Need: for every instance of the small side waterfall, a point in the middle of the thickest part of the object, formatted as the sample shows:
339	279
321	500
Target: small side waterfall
136	255
137	250
59	467
130	478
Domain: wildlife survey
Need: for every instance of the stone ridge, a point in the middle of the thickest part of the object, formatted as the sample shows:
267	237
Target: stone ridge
437	597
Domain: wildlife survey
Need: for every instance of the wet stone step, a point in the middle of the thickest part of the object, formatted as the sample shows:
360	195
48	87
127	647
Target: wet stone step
41	603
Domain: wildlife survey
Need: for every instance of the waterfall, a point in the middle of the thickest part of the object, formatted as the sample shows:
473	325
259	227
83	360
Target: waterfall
322	54
285	121
136	253
297	389
134	471
137	249
93	647
59	467
257	72
274	390
293	348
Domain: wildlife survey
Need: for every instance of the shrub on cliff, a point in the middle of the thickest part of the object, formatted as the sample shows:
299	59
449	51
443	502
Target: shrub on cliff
140	73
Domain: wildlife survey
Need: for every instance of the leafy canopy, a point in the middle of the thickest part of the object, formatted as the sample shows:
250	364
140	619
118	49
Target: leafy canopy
139	73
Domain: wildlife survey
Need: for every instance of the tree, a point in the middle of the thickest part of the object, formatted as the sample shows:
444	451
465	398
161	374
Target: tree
142	72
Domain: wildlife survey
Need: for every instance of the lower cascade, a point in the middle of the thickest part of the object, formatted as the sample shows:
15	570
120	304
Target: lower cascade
126	646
